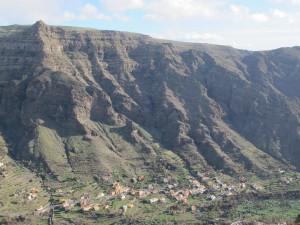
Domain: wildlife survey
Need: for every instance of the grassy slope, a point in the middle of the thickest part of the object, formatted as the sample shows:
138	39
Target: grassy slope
51	148
15	186
95	156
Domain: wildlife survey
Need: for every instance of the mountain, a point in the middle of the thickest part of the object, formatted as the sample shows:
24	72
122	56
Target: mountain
83	104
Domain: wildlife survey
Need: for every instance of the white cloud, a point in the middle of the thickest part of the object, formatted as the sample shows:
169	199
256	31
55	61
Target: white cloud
246	14
202	37
91	12
52	12
279	14
165	9
241	38
239	10
291	20
294	2
29	11
121	17
267	37
86	12
197	37
180	9
122	5
260	17
69	15
289	17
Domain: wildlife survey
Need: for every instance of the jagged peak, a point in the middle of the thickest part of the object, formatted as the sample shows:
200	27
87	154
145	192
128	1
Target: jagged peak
39	25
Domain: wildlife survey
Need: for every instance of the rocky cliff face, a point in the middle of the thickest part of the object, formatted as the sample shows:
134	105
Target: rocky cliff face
76	101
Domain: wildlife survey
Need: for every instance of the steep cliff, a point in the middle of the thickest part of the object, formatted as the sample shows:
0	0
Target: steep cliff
86	102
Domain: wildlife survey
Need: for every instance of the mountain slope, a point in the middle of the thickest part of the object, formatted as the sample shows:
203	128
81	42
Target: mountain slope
70	96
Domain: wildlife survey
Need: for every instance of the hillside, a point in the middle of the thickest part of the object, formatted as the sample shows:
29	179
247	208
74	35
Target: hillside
88	107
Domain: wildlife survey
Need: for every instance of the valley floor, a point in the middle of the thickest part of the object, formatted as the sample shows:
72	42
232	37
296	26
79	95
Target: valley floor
25	199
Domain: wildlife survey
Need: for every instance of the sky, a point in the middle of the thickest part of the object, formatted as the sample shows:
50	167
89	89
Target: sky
252	24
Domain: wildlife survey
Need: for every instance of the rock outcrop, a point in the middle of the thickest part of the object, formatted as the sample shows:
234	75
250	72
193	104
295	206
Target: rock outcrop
79	101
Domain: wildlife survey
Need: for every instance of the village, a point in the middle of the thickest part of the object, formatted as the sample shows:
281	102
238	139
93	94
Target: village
128	197
121	199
